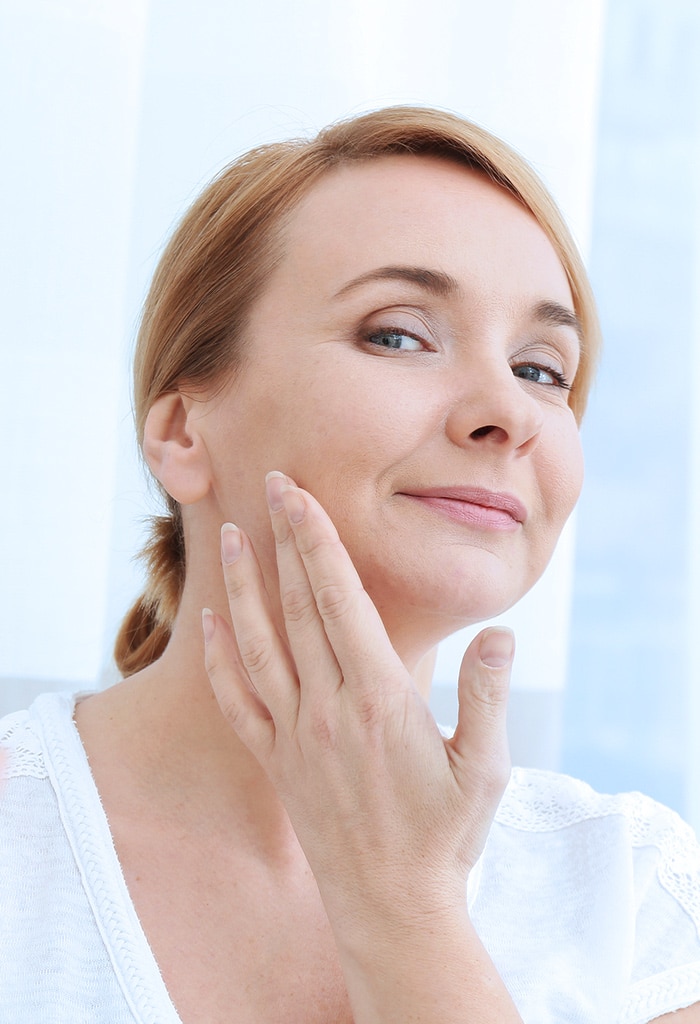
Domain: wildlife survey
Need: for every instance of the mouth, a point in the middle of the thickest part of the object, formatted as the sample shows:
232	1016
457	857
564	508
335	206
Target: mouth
475	506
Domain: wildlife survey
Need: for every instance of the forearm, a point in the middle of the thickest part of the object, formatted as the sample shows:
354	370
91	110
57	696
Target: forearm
432	973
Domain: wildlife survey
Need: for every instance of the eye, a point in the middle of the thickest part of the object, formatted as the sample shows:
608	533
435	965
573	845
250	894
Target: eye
395	340
537	374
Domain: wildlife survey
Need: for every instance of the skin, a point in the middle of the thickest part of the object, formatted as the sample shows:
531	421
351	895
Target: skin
424	404
298	761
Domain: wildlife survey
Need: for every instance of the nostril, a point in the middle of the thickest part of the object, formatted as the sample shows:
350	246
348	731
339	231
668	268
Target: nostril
482	431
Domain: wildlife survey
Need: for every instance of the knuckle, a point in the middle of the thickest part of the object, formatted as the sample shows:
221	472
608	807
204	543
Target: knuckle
256	653
316	545
211	663
333	601
493	777
372	711
490	695
368	711
231	711
297	604
235	586
323	729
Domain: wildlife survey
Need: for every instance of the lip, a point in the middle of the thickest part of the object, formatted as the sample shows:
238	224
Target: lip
473	505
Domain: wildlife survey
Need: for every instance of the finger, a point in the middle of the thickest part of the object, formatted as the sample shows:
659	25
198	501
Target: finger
262	652
350	620
480	742
240	705
313	655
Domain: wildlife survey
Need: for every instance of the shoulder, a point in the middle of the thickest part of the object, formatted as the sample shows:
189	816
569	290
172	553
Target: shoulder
634	861
29	807
40	753
542	801
615	878
21	747
27	736
629	828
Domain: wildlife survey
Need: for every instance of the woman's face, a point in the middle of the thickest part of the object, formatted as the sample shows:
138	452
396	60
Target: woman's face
406	364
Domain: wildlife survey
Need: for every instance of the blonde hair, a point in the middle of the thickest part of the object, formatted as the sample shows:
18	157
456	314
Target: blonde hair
218	261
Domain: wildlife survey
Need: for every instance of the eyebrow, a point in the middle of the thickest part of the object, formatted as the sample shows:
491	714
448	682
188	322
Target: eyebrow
444	285
556	315
434	281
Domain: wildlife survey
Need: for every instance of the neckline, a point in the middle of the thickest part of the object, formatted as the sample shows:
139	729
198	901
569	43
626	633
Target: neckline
90	837
89	834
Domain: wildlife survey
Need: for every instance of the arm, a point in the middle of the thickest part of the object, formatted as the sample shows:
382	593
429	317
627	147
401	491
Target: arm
391	817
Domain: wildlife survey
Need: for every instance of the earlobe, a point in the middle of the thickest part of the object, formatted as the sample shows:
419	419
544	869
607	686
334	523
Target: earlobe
174	450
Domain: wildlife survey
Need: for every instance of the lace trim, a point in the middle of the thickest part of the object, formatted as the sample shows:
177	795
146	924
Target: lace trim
539	801
21	747
665	993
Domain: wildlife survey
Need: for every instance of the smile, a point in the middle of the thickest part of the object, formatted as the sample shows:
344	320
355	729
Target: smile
487	510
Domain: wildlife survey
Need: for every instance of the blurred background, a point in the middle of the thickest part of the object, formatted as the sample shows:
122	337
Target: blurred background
116	112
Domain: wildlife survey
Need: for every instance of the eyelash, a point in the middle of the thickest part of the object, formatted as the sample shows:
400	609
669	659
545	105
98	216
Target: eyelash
559	380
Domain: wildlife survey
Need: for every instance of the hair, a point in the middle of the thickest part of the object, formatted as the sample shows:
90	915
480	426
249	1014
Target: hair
219	259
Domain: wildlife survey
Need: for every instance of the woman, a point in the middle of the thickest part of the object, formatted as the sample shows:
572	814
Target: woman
370	352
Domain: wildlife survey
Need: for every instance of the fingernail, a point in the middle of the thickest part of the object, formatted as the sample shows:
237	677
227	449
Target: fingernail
230	543
497	648
207	624
293	504
274	482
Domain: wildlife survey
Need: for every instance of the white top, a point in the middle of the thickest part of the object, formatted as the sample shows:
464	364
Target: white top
589	905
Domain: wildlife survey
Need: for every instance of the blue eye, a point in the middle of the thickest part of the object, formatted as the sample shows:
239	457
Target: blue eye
395	341
540	375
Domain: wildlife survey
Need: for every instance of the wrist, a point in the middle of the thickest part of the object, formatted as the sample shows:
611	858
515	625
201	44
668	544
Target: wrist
433	969
378	921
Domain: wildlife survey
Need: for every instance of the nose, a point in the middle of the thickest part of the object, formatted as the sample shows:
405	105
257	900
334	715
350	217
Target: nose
497	411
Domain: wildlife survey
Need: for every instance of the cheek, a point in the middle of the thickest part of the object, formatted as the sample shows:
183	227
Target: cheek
563	473
347	424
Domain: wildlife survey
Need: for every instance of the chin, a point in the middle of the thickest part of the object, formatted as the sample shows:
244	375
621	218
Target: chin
437	606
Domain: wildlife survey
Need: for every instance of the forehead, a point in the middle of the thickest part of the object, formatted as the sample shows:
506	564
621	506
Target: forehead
417	211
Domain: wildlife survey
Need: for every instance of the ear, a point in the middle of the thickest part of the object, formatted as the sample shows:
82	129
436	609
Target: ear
174	449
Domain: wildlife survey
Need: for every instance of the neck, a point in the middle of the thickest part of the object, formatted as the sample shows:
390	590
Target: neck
157	742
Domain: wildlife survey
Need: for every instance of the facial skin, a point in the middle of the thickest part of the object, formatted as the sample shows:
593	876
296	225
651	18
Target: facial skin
371	387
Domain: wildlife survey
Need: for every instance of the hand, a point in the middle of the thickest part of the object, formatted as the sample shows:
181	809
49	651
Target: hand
385	809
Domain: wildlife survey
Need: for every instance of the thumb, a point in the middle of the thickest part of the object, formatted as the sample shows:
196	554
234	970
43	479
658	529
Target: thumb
480	739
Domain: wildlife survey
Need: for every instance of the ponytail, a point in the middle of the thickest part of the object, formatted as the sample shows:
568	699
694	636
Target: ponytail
146	629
